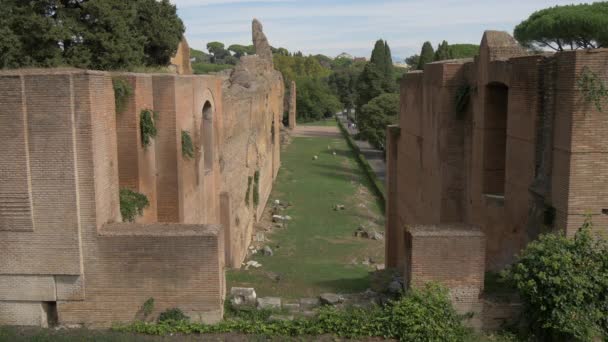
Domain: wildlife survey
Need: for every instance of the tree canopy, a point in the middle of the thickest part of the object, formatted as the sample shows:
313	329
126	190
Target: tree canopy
96	34
566	27
427	55
443	52
374	116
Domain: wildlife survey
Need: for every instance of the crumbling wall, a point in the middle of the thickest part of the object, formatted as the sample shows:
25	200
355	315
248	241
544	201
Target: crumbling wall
253	107
181	61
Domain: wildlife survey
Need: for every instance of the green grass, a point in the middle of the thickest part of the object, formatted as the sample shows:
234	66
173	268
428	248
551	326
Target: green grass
315	251
322	122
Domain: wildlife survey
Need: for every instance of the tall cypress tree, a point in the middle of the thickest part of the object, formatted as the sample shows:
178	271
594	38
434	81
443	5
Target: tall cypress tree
427	55
378	55
443	52
389	85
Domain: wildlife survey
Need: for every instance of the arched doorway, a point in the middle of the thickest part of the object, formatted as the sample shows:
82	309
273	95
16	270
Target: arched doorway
207	136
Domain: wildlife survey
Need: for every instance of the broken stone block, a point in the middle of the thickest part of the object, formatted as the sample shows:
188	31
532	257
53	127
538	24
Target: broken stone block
259	237
339	207
273	276
287	218
267	251
380	267
243	296
291	307
315	157
377	236
309	303
270	303
277	218
330	299
277	318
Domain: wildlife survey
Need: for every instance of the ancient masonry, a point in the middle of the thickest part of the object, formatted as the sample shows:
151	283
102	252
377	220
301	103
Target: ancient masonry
292	106
65	253
487	154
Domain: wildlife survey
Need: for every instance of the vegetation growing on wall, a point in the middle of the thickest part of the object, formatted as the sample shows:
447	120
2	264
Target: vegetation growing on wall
563	283
148	307
461	100
132	204
256	188
173	315
122	91
187	145
594	90
248	193
420	315
147	126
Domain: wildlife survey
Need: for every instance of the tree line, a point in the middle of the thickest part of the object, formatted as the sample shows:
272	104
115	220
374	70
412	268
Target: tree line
93	34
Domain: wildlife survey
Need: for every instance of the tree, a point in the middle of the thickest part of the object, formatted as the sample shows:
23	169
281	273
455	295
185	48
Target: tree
96	34
443	52
566	27
163	30
369	85
379	55
315	100
241	50
375	116
412	61
463	50
427	55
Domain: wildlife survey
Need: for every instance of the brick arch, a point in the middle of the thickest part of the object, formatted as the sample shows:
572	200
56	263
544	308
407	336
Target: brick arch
206	119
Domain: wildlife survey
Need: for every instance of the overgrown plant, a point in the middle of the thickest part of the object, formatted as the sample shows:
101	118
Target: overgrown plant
122	91
461	100
563	283
147	123
148	307
420	315
187	145
132	204
173	315
256	188
594	90
249	181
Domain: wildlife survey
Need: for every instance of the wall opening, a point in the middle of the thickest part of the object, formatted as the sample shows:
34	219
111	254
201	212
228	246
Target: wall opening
207	131
495	138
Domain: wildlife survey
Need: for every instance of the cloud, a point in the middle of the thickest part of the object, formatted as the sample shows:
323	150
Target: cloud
330	27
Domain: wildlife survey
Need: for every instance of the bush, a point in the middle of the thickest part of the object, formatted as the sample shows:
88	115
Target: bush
132	204
122	91
375	116
187	145
564	285
174	315
421	315
147	126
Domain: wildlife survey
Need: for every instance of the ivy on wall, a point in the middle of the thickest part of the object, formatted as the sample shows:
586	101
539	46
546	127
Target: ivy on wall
132	204
122	91
187	145
594	90
256	188
249	181
461	100
147	126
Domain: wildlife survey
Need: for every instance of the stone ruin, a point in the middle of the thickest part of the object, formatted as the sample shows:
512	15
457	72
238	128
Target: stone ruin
489	152
65	252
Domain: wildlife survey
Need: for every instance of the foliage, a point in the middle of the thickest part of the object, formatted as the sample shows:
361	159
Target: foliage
241	50
148	307
147	126
570	26
463	50
95	34
199	56
412	61
375	116
563	283
382	59
443	52
219	55
299	67
122	91
427	55
132	204
249	182
173	315
592	87
187	145
369	85
314	100
462	98
256	188
421	315
342	83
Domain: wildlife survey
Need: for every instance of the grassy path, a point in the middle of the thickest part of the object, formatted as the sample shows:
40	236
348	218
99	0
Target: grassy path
317	252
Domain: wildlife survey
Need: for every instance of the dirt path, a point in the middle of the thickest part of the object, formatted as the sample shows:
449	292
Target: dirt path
316	131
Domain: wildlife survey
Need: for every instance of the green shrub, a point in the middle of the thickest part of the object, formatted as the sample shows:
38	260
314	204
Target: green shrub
256	188
148	126
421	315
173	315
148	307
593	88
563	283
122	91
132	204
187	145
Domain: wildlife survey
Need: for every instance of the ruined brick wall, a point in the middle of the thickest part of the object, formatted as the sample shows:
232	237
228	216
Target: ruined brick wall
453	255
526	142
181	61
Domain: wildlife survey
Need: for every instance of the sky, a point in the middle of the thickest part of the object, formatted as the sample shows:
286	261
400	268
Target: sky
331	27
